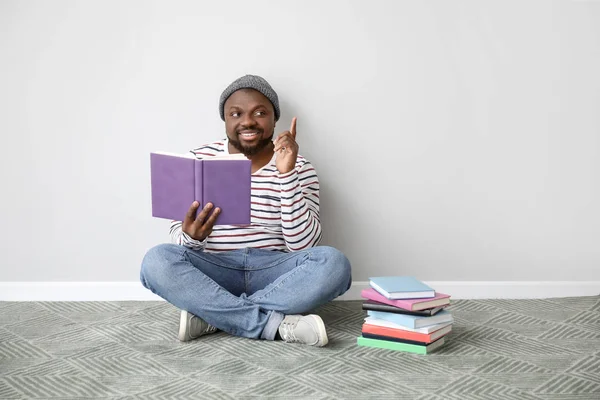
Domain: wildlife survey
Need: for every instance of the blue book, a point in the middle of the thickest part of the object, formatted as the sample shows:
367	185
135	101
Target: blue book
401	287
412	321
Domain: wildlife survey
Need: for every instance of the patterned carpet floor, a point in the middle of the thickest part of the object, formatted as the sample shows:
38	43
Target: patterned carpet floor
499	349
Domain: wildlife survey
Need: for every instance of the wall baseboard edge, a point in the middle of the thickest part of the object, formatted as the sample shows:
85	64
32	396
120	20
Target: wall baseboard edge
126	291
500	289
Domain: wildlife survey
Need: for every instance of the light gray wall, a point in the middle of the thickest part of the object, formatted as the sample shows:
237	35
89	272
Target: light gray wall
454	140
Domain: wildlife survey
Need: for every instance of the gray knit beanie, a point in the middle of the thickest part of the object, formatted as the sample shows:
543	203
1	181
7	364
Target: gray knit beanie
250	82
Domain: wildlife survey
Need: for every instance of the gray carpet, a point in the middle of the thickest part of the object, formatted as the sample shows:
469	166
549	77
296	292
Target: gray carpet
504	349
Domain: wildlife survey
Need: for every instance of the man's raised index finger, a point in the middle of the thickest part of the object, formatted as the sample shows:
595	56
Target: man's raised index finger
293	128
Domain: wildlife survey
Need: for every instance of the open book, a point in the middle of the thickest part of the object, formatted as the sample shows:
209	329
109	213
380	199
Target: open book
177	180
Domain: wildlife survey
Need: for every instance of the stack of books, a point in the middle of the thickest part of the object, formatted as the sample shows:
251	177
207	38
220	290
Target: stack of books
404	314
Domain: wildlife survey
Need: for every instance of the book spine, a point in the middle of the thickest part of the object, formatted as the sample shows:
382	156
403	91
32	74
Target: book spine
440	318
396	333
373	295
199	182
412	321
384	344
393	339
400	319
396	310
412	296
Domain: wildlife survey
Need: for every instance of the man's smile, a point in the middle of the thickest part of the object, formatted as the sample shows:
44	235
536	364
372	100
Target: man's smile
248	135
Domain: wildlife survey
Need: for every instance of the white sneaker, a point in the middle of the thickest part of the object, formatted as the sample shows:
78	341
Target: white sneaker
192	327
308	329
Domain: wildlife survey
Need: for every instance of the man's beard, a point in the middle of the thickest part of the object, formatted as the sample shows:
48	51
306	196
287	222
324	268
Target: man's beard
250	150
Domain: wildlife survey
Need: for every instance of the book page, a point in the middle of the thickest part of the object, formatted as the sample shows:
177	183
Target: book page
166	153
237	156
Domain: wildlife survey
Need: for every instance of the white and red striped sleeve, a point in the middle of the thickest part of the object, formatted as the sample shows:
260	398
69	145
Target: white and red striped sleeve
300	221
179	237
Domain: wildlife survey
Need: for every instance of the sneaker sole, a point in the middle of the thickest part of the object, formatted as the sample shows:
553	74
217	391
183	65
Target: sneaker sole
322	332
182	326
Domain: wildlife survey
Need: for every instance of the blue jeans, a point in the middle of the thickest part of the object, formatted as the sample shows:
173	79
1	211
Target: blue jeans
246	292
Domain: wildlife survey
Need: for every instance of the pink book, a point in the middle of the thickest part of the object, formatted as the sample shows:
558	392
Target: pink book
440	299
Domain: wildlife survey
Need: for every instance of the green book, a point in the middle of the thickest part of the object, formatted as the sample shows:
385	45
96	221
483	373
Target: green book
410	348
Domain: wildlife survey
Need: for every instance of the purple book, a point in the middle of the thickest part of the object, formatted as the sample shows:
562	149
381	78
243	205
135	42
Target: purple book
179	180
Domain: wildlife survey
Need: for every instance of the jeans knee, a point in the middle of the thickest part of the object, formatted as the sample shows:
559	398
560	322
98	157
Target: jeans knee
156	263
337	266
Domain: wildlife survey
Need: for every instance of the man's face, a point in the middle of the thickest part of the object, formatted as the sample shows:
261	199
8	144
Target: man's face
249	121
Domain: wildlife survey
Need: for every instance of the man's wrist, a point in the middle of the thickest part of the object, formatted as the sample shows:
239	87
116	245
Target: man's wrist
192	243
287	175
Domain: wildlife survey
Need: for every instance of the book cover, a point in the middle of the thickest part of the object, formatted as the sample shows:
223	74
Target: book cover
440	299
401	287
412	321
176	181
405	334
376	306
387	324
411	348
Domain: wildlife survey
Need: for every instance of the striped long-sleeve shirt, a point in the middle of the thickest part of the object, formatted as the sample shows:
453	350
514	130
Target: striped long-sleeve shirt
284	210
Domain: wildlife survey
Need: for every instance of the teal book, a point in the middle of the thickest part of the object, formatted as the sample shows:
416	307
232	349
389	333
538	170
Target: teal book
412	321
410	348
401	287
